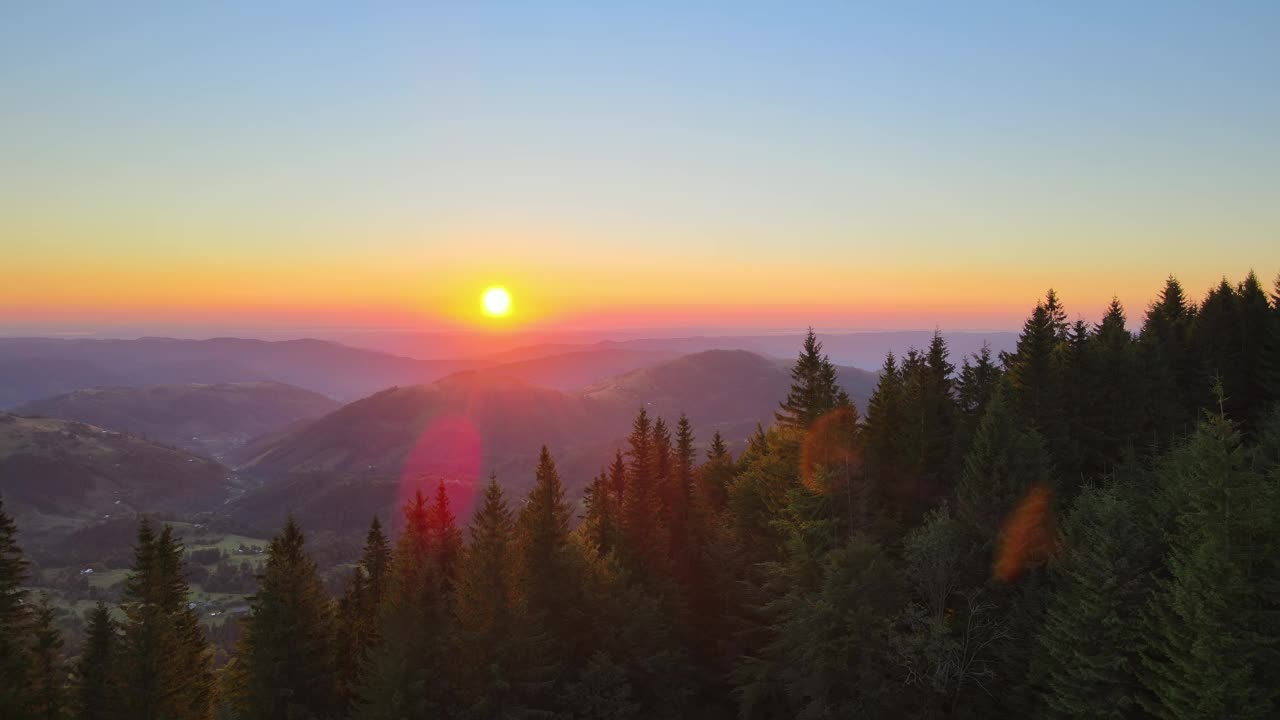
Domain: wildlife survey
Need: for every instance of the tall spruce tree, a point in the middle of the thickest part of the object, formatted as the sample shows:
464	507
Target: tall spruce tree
1269	364
1034	372
663	486
357	628
814	391
489	641
1005	460
1174	386
287	650
618	481
929	425
883	446
408	674
1088	647
679	504
714	476
717	448
47	675
549	580
600	517
166	659
1057	316
444	537
98	690
642	522
1219	343
830	652
1251	398
1211	634
1113	402
15	621
974	386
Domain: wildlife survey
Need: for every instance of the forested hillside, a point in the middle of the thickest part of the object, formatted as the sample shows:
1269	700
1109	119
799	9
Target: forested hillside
1083	527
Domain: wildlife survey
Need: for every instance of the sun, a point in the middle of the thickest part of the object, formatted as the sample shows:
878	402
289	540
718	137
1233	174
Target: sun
497	302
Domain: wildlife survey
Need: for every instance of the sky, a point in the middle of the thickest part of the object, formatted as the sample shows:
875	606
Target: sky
729	166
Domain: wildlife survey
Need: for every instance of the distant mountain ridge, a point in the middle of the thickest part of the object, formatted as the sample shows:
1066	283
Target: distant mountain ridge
37	368
210	419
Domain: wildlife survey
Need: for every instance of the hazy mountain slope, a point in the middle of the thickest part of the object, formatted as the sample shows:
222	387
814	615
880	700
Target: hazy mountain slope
61	474
29	377
575	370
209	419
464	424
35	368
472	423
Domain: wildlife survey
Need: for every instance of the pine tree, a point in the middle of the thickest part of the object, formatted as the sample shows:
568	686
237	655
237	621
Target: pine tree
664	491
1219	342
357	631
487	640
1074	442
1004	462
618	482
679	503
1269	363
1092	629
830	655
976	382
1114	403
98	690
929	424
1211	632
1057	316
715	475
717	449
1034	372
641	512
549	577
1174	386
885	453
444	538
1252	394
47	677
354	634
376	563
165	657
15	621
408	674
600	518
814	388
287	651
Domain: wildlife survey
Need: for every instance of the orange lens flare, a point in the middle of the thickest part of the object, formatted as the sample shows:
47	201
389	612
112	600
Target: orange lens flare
1028	537
828	443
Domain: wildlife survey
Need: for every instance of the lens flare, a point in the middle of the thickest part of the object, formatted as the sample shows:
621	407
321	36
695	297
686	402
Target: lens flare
828	444
448	450
1028	538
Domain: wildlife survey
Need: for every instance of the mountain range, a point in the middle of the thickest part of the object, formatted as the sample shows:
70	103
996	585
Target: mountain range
212	420
254	429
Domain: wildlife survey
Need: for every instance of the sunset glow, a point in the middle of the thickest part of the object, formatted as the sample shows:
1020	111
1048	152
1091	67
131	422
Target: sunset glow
497	302
836	187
